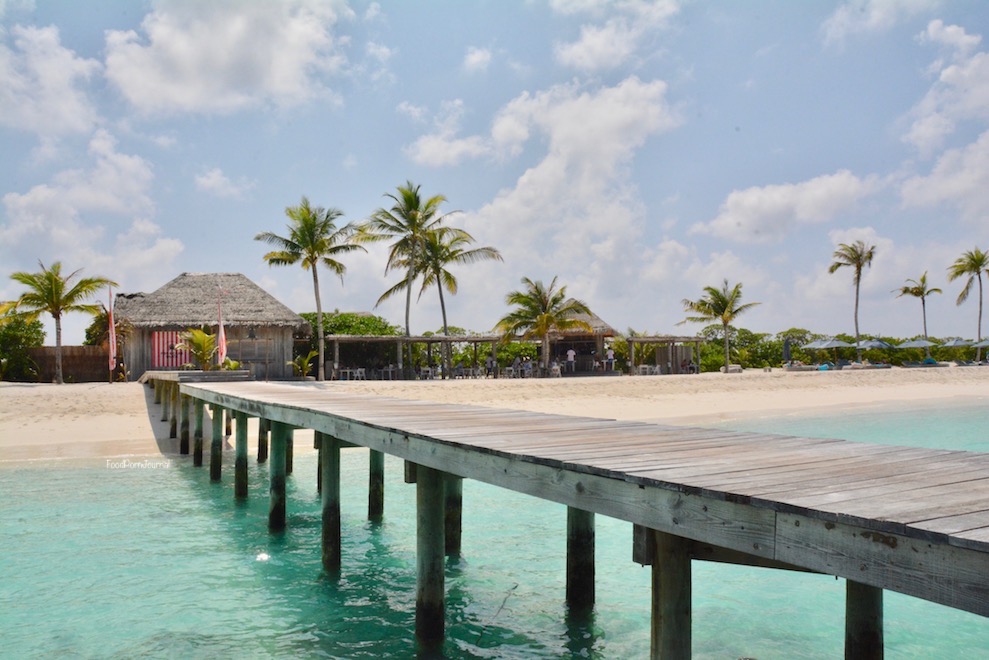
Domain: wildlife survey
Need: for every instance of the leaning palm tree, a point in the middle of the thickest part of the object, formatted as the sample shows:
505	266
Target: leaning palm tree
313	239
857	256
541	310
444	247
50	292
722	305
972	263
407	223
919	289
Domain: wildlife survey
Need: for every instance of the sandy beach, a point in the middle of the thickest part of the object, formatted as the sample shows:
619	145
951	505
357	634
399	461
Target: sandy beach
43	421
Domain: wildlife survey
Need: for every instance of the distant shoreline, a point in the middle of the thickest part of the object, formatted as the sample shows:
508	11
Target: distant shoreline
87	420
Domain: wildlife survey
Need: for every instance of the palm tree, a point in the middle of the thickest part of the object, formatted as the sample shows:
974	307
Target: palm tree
50	292
408	223
313	239
201	345
919	289
972	263
541	310
722	305
858	255
445	246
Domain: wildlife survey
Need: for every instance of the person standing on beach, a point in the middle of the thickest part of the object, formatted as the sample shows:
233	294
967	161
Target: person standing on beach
571	360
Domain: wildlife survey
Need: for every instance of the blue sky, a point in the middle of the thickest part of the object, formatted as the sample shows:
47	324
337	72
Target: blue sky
637	150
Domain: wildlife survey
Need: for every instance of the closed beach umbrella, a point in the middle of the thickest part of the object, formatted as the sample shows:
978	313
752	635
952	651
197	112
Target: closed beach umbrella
786	350
956	343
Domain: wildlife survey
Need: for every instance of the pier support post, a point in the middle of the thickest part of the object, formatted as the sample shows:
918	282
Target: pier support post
376	485
240	466
671	594
580	559
453	514
173	420
228	429
276	467
185	403
329	468
430	546
263	427
216	443
289	453
166	400
317	444
157	390
198	407
863	621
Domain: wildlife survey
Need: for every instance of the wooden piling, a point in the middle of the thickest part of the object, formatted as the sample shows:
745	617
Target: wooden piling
289	453
317	443
376	485
240	466
453	515
276	469
156	388
580	559
166	400
263	428
198	407
228	429
430	546
863	621
216	444
329	468
671	594
173	420
185	402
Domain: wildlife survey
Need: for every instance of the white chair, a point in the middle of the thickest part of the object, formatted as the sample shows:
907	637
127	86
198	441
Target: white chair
508	372
360	374
555	371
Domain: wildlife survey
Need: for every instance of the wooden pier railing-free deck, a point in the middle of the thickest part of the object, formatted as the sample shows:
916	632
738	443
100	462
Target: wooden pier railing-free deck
911	520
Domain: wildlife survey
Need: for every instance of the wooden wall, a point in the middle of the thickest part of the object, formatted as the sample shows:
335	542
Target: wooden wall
80	364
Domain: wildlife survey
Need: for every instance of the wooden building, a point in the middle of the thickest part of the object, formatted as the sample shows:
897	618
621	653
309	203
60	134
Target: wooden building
260	331
589	347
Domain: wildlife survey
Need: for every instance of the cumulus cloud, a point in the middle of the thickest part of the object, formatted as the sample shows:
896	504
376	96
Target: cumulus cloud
869	16
443	146
607	45
960	178
220	57
43	85
217	183
960	91
766	214
477	60
75	217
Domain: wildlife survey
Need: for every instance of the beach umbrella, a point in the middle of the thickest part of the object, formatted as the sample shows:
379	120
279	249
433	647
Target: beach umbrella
955	343
873	343
917	343
812	345
982	344
835	343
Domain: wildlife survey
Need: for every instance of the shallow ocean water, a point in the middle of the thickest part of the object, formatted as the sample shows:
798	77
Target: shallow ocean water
103	560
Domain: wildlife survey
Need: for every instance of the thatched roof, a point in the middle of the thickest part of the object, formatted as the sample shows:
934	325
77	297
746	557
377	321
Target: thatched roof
598	326
190	300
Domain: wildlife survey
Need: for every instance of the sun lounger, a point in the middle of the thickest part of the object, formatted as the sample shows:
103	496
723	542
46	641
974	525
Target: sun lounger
732	369
801	367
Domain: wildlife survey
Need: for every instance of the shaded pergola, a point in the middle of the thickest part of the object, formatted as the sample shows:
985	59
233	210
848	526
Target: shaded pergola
672	353
401	341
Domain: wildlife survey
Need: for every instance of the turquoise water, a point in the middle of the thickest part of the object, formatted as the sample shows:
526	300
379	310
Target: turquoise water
154	560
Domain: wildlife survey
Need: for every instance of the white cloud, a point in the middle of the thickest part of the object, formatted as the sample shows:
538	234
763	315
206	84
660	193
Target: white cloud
223	56
960	92
765	214
613	43
867	16
15	5
443	147
960	178
42	85
73	218
477	60
216	183
415	112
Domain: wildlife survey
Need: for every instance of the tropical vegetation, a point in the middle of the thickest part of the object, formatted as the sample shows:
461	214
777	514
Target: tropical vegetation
201	345
51	292
541	310
723	305
856	256
971	265
17	336
313	239
918	289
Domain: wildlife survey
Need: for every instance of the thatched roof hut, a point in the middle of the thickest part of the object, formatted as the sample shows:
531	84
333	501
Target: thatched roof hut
259	328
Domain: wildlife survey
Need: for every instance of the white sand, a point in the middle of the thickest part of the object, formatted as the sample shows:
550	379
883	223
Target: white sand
96	419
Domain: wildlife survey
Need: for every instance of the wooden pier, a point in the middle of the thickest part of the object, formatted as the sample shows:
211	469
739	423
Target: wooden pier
915	521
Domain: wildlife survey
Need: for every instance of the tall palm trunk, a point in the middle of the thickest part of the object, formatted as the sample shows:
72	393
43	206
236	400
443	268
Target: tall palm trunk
408	306
321	371
727	358
446	333
923	309
978	351
545	354
58	348
858	349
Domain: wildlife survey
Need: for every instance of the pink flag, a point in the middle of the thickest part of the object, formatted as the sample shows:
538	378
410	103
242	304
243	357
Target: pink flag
221	336
111	335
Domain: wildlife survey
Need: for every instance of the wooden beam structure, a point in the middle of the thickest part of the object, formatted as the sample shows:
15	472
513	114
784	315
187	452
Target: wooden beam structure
882	517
